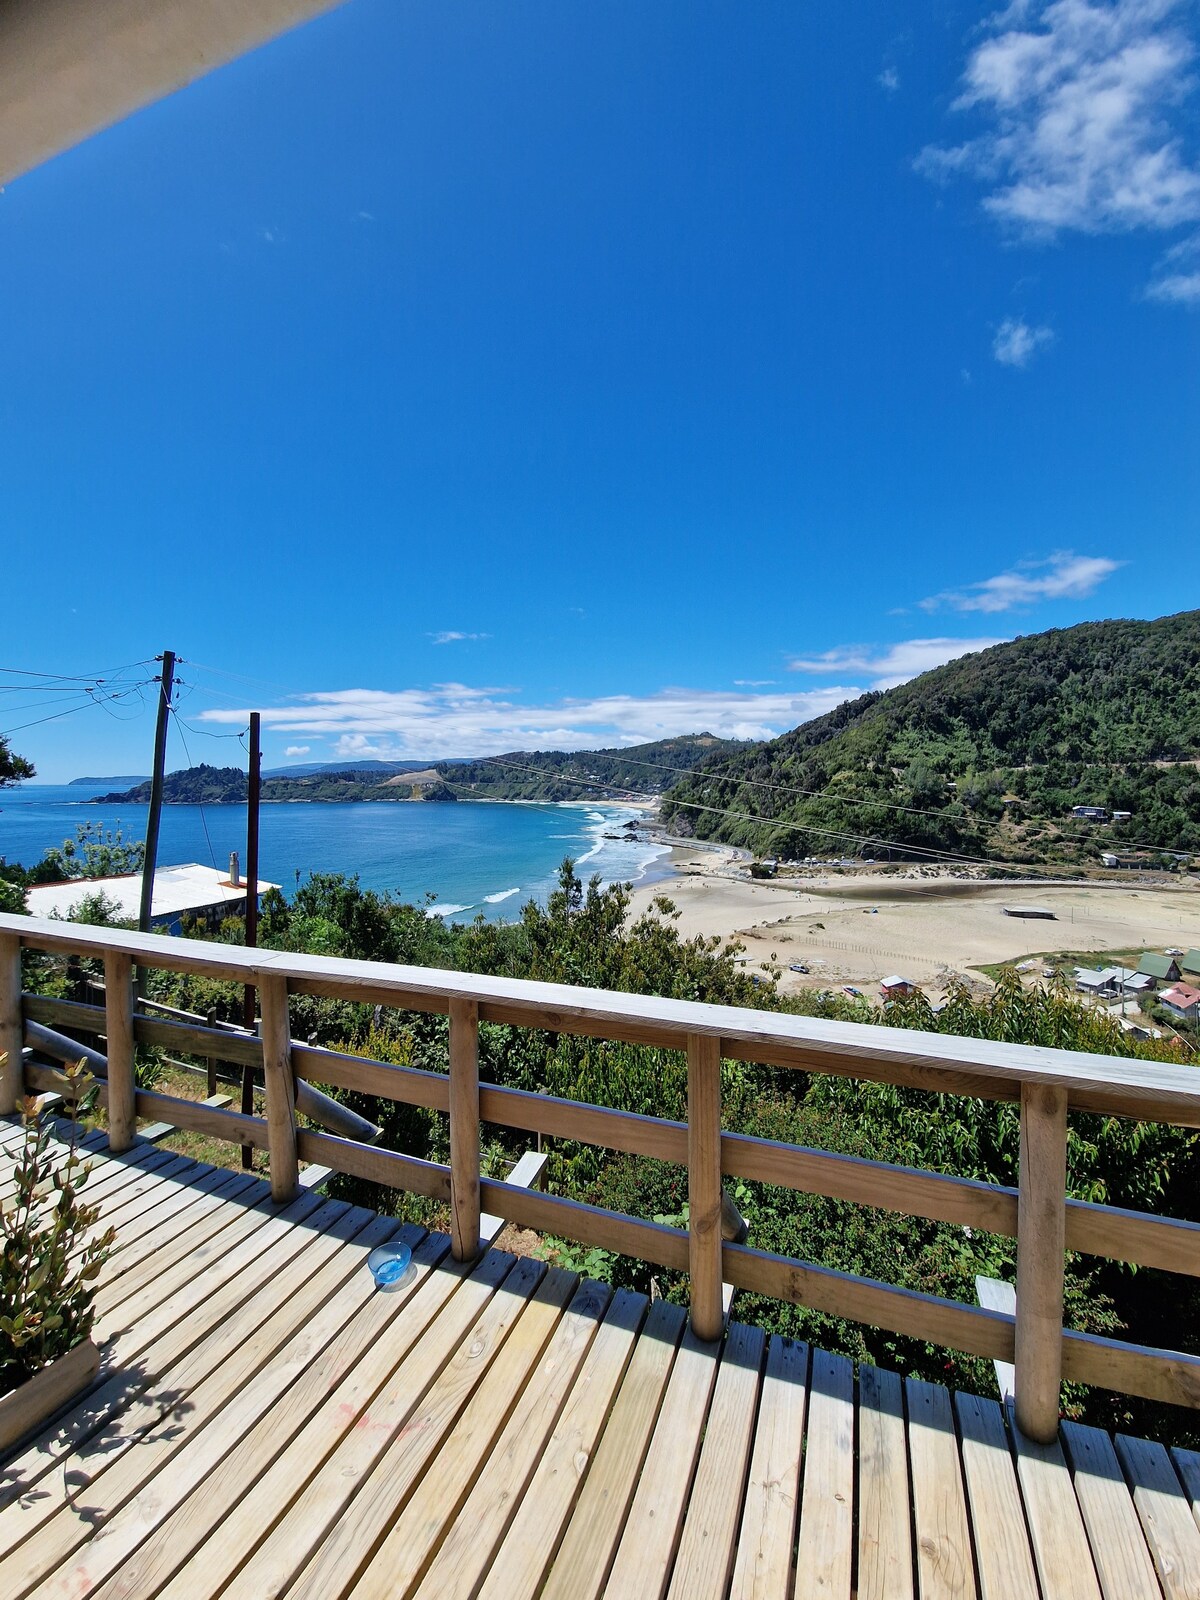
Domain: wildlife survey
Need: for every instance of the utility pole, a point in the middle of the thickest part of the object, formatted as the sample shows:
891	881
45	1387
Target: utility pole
166	683
248	1008
254	795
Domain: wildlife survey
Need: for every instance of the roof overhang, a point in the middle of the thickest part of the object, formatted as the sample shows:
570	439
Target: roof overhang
71	67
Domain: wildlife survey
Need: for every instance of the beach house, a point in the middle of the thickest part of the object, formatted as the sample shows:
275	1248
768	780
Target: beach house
1183	1002
1162	968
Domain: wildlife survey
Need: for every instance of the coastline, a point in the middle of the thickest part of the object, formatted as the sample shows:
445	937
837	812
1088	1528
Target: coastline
858	928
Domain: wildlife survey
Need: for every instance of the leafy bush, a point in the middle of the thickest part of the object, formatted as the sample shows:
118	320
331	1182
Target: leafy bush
50	1252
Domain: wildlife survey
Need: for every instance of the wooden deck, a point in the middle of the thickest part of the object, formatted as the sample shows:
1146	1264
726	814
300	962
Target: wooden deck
266	1423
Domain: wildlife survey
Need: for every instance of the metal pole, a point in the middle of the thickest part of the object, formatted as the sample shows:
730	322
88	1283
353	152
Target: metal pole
249	1003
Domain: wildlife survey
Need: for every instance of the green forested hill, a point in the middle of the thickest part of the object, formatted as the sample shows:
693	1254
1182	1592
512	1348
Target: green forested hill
584	774
985	755
213	786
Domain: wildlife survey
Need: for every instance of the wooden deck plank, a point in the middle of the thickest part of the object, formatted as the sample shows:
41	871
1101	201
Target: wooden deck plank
127	1498
83	1524
1061	1552
945	1566
1187	1465
177	1230
763	1558
286	1445
468	1544
1165	1511
1003	1558
581	1567
331	1528
520	1563
144	1190
212	1262
704	1564
117	1406
1123	1562
885	1547
825	1547
393	1529
267	1423
646	1552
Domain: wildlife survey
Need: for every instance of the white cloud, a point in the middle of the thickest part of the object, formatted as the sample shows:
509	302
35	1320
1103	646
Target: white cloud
892	664
1062	576
297	750
1080	103
889	79
453	719
1177	276
1016	342
453	636
754	683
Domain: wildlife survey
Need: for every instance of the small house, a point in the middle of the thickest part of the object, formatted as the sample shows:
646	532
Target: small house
1133	984
1190	964
894	986
1090	813
189	893
1163	969
1183	1002
1088	980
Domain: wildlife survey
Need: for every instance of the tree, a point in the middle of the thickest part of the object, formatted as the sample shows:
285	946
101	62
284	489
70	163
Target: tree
94	852
13	768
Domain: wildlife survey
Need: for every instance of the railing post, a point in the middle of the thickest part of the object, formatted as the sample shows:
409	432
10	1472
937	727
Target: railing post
280	1087
704	1183
1041	1246
210	1062
118	1010
464	1129
12	1032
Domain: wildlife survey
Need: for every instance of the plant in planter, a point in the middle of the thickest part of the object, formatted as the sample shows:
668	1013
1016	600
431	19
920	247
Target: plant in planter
51	1255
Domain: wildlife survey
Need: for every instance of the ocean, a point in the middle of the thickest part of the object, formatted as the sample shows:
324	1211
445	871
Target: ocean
476	857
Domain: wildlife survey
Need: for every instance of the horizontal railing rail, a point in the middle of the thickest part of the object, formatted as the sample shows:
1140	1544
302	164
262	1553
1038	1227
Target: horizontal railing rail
1047	1084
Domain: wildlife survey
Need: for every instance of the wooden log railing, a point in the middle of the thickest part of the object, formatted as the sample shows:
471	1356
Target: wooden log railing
1047	1084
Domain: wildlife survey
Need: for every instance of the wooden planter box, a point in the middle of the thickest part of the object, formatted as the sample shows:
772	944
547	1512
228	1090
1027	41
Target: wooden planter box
24	1409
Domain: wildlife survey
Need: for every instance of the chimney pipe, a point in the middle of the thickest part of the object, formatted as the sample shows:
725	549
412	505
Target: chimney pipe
235	872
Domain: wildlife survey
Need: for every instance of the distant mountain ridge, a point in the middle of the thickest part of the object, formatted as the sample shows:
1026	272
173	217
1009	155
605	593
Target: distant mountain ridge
986	755
521	775
128	779
640	769
217	786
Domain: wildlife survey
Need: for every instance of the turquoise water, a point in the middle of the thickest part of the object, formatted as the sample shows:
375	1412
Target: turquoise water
477	857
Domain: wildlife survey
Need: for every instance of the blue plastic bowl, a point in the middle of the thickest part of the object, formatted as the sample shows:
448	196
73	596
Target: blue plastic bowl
391	1265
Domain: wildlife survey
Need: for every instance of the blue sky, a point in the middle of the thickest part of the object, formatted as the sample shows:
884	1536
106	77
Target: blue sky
445	380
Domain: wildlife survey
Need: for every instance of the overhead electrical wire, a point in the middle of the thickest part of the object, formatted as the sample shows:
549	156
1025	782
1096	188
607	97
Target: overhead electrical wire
212	855
788	789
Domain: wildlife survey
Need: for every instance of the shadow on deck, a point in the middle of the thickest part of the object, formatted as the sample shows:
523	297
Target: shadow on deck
265	1422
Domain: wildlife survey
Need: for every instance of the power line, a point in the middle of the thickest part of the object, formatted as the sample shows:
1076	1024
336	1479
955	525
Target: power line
212	855
814	794
949	856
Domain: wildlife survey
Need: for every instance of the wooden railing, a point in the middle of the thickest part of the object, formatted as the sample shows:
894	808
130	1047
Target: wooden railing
1048	1084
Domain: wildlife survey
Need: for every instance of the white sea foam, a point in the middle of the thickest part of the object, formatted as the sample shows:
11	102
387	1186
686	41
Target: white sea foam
445	911
505	894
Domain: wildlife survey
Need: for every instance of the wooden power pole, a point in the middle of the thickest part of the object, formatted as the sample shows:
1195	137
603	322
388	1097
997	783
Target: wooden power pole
166	683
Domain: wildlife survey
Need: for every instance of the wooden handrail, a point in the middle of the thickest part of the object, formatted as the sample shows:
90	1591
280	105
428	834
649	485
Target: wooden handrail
1047	1083
943	1064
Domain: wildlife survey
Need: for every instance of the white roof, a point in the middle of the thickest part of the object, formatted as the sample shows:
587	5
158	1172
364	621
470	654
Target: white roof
177	890
895	981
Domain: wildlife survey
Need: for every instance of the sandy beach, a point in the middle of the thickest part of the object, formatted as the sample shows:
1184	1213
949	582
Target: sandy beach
856	928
